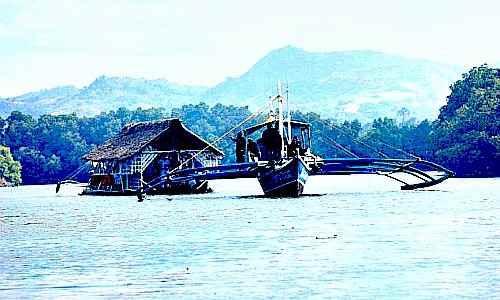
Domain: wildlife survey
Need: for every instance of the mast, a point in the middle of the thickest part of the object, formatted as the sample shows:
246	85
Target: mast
288	116
280	118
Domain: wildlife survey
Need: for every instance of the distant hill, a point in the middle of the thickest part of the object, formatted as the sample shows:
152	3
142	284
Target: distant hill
344	85
36	103
103	94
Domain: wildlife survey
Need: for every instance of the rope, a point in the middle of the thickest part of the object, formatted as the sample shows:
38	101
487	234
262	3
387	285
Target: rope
214	142
397	149
76	172
355	139
370	147
250	101
339	146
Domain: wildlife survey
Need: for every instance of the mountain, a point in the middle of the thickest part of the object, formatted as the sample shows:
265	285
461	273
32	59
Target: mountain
36	103
344	85
103	94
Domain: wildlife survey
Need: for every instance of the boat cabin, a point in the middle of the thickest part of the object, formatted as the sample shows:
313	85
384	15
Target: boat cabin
265	141
143	151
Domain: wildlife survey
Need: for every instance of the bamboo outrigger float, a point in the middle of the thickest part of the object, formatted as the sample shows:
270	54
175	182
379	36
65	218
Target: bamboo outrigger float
165	157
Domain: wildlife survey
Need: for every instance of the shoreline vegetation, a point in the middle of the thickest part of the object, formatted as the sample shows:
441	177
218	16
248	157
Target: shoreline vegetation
464	138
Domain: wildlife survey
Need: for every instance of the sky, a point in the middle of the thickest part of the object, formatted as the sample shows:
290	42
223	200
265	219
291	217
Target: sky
47	43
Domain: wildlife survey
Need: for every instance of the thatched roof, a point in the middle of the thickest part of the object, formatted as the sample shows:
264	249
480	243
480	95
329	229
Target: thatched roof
171	133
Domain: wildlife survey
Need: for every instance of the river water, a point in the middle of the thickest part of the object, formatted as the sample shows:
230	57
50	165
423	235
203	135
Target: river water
354	237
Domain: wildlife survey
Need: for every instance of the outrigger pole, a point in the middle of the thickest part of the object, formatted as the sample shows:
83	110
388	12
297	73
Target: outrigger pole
422	170
71	177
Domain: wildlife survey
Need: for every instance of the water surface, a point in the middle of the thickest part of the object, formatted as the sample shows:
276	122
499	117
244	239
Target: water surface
353	237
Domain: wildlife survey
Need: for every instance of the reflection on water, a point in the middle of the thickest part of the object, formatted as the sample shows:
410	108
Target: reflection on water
351	236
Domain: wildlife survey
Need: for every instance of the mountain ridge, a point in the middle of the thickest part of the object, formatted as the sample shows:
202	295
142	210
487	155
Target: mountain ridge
103	94
359	84
352	80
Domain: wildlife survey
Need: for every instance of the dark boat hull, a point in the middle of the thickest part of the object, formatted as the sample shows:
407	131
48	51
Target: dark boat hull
284	179
89	192
183	188
178	188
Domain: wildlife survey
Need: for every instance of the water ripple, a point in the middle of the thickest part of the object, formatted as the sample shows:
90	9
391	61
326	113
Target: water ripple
332	243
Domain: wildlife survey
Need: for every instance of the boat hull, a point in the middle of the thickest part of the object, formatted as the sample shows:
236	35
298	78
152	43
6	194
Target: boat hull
88	192
284	179
183	188
178	188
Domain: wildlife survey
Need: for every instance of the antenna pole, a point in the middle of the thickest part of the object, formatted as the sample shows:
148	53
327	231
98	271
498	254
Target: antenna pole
280	118
289	117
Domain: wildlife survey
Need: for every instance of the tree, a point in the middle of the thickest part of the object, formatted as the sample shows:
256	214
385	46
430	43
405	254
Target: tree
403	115
467	131
10	170
18	130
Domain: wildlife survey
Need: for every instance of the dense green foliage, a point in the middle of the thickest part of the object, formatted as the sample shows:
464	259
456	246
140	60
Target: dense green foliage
467	131
10	170
50	147
465	138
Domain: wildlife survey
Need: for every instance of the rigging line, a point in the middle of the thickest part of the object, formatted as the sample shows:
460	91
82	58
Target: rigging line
354	139
397	149
339	146
357	140
77	171
370	147
214	142
250	100
384	143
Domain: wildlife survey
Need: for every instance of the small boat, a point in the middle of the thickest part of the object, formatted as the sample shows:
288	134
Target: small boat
286	178
285	172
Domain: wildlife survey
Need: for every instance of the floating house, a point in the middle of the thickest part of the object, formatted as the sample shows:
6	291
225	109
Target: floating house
145	151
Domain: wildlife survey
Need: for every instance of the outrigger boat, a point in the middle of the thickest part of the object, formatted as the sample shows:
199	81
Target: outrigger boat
283	172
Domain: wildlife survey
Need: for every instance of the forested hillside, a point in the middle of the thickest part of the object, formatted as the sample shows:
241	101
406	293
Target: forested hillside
465	137
51	147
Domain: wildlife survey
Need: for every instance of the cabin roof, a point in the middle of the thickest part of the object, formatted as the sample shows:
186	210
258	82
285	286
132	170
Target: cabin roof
135	136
